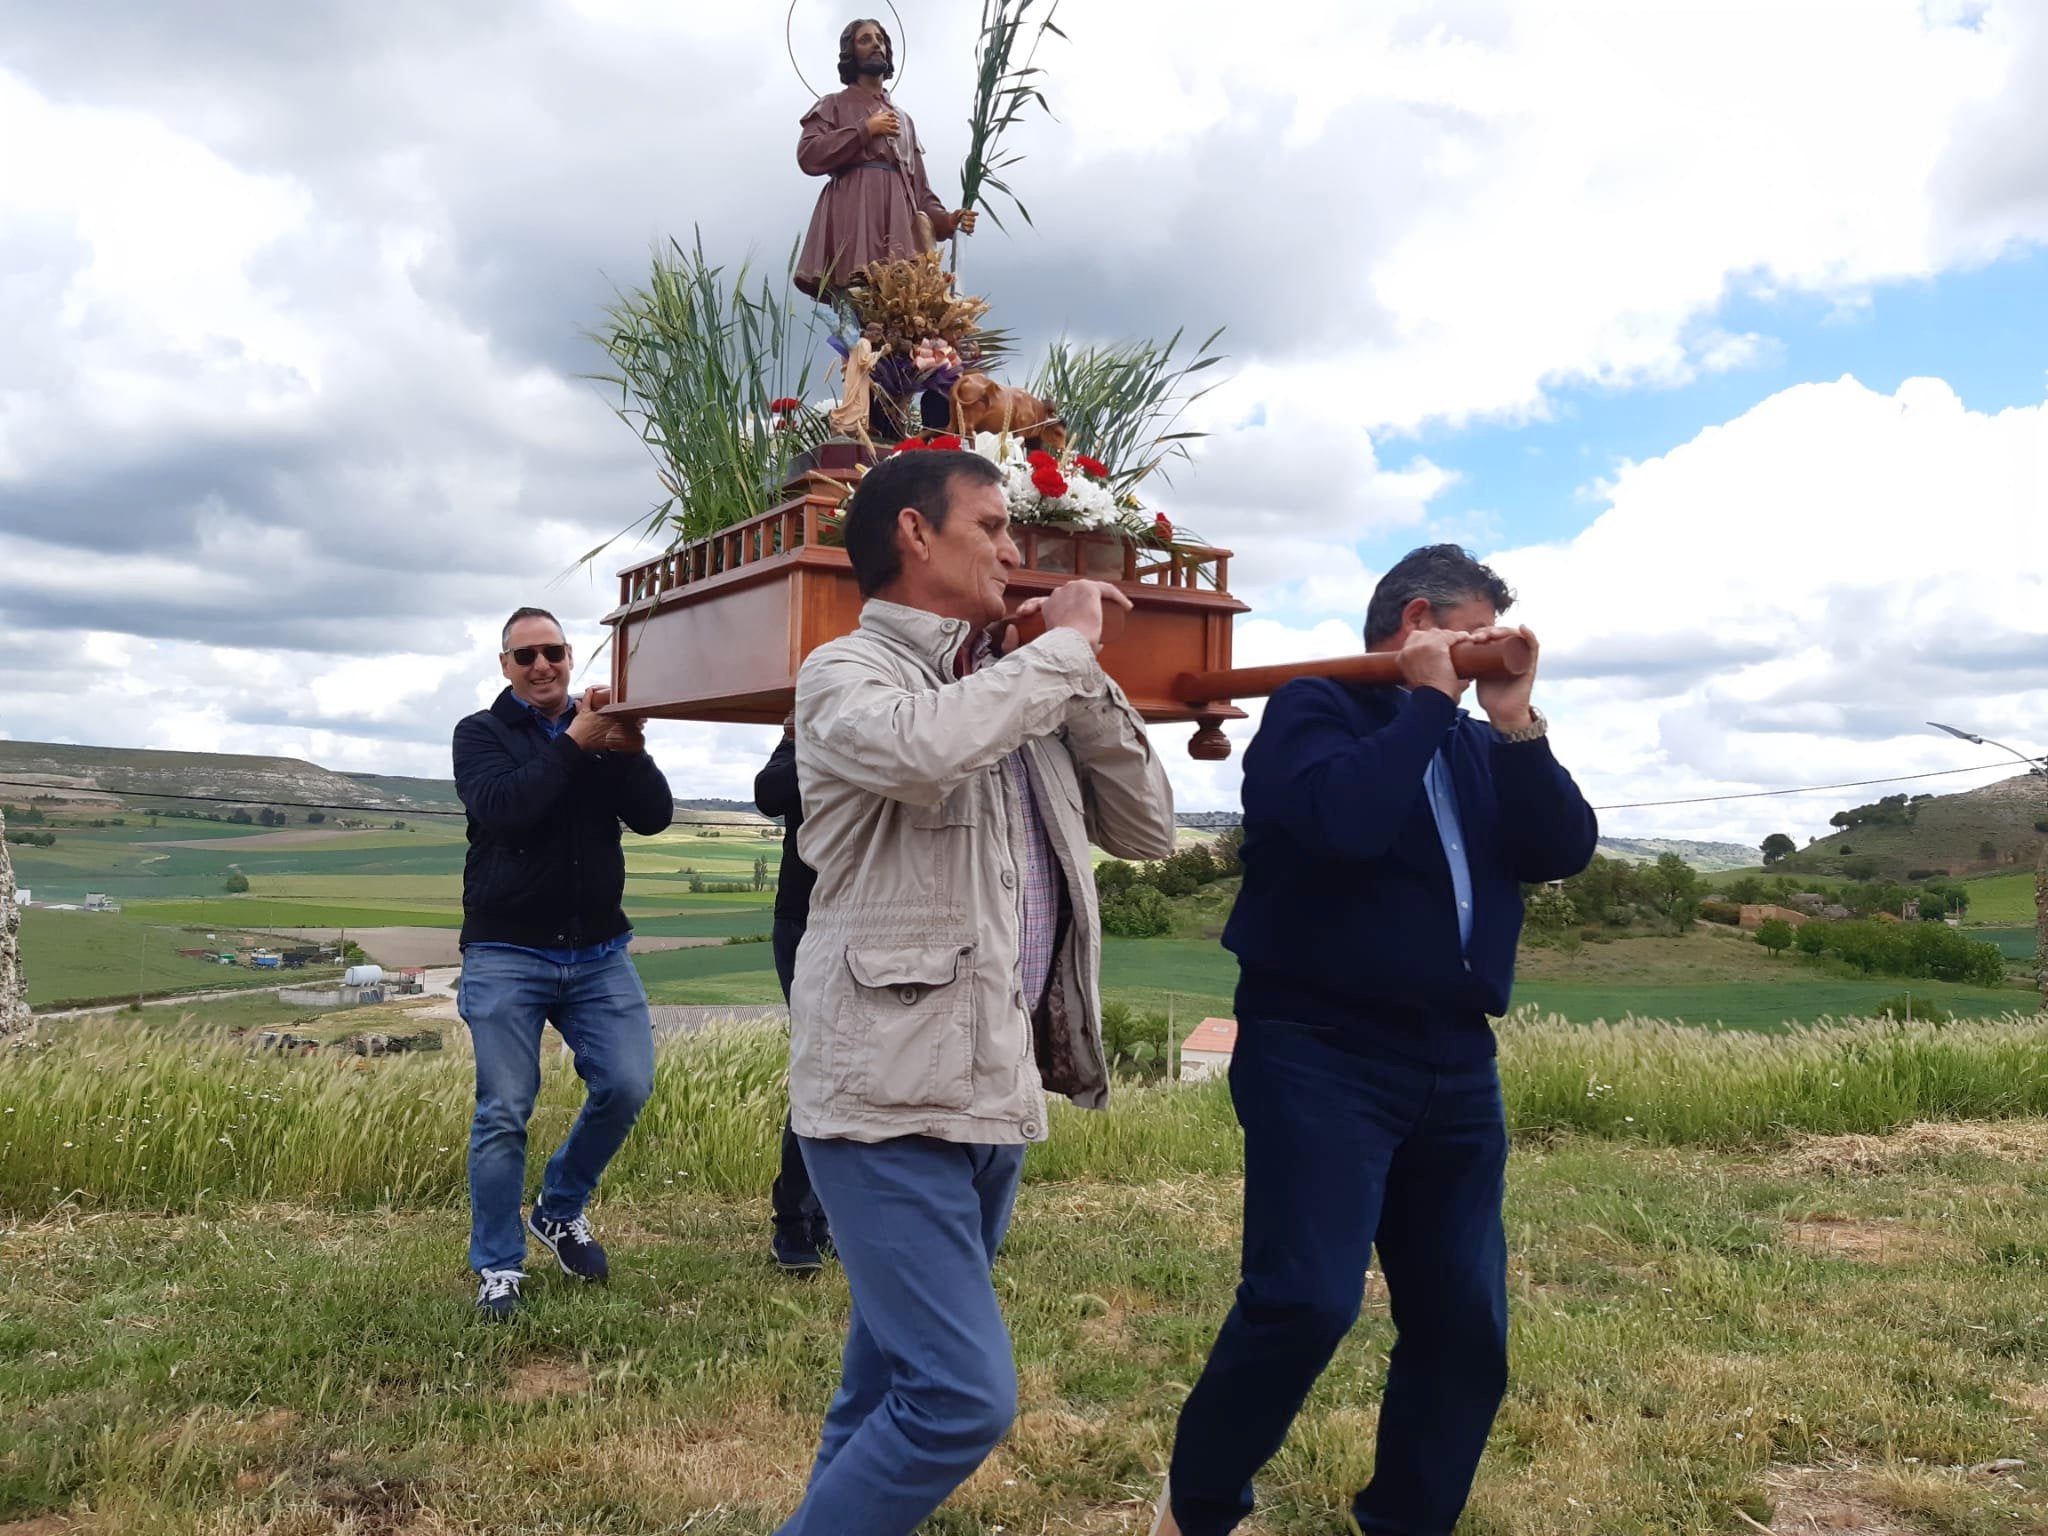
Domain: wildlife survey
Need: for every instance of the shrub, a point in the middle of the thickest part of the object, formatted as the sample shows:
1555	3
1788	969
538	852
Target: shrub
1139	912
1135	1044
1810	938
236	883
1114	877
1775	934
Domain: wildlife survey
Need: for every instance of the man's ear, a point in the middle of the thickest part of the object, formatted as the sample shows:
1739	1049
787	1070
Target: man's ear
915	535
1418	613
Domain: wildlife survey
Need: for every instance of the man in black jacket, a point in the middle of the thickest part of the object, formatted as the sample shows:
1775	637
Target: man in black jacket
546	782
800	1229
1388	835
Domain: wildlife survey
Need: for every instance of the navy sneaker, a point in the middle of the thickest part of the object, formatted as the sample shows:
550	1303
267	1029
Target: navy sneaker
573	1246
497	1296
821	1235
795	1252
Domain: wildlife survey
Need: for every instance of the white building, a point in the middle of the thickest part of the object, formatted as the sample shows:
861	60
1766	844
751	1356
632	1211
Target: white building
1206	1051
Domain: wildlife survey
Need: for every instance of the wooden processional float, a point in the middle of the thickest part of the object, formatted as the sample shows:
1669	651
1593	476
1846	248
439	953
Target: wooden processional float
715	629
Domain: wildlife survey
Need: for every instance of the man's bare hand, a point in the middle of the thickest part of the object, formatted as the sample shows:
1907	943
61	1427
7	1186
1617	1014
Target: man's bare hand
963	220
590	729
884	124
627	736
1078	605
789	726
1506	699
1426	661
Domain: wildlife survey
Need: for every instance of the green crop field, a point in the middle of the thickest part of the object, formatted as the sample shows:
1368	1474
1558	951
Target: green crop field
1705	979
255	911
2013	943
80	956
2003	899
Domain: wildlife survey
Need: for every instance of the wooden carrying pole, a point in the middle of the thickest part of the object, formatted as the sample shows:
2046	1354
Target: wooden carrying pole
1500	658
1509	657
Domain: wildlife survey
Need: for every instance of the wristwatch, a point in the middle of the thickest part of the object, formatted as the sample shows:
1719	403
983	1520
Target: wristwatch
1535	730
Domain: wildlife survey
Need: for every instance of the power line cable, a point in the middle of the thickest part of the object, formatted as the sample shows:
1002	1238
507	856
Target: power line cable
1804	789
408	810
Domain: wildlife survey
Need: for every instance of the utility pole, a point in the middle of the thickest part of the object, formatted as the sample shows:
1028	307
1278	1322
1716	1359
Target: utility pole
2037	767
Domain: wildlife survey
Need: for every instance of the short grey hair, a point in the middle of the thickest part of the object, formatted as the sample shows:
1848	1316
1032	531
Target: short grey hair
1443	574
505	634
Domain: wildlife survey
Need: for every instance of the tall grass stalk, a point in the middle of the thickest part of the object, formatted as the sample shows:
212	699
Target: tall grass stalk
149	1119
1123	403
1002	95
697	359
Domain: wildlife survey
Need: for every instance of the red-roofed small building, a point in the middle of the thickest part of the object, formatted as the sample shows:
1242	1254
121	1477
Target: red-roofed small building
1206	1051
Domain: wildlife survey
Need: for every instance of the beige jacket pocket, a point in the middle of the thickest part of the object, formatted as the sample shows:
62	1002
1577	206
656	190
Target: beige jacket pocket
906	1039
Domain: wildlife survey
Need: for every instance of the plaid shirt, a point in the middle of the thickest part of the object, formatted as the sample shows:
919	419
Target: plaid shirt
1041	891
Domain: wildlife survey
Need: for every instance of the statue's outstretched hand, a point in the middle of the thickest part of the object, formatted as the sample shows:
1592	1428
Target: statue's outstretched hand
963	221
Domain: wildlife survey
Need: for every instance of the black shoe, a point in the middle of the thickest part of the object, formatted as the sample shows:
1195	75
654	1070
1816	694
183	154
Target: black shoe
497	1296
821	1239
573	1246
795	1253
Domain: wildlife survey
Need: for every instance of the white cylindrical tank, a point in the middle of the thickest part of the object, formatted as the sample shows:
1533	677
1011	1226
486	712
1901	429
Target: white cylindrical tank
362	976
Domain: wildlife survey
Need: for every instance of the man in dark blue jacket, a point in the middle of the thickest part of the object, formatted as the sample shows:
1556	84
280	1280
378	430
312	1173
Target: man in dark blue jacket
801	1231
546	783
1388	835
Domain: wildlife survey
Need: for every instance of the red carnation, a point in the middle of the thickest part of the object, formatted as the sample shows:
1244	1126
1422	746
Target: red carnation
1094	467
945	442
785	405
1038	458
1048	481
1162	527
910	444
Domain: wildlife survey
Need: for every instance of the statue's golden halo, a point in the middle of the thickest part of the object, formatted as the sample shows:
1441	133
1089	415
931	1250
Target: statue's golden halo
900	38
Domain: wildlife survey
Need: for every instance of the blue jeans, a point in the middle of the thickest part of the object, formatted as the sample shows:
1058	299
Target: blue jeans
1346	1147
929	1384
507	996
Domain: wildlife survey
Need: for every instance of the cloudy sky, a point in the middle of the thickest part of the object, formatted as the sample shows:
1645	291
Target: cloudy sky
1721	327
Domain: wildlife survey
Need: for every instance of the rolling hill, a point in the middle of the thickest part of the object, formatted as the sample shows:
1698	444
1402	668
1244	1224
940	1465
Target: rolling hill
1979	832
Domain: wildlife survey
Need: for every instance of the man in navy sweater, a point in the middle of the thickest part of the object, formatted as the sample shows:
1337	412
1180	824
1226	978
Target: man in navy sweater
546	782
1388	835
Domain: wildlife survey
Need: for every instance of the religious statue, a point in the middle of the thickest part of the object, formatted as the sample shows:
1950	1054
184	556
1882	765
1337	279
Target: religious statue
877	204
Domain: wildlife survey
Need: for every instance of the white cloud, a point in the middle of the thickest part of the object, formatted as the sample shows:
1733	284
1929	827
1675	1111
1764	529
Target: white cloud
1786	598
1783	600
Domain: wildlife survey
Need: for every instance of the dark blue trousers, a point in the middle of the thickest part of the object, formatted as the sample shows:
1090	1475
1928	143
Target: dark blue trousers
1348	1147
792	1203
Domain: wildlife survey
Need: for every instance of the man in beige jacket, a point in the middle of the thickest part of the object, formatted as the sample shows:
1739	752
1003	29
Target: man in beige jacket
952	782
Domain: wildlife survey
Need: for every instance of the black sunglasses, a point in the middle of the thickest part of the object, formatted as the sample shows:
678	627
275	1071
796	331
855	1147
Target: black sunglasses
522	655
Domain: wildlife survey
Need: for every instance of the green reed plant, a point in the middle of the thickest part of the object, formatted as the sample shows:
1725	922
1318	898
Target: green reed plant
697	360
1123	402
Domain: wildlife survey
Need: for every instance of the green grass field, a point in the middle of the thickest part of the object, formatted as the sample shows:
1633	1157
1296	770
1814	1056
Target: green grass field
1703	979
386	878
2013	943
1796	1282
78	956
2003	900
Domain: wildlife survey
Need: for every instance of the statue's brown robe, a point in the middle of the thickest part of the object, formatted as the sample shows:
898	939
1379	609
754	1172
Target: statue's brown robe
877	188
